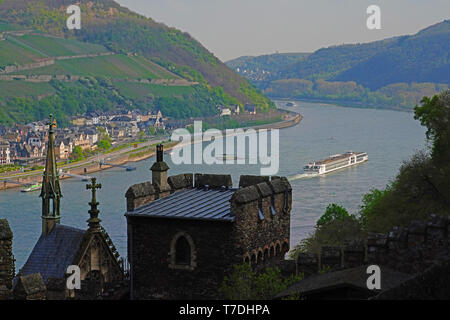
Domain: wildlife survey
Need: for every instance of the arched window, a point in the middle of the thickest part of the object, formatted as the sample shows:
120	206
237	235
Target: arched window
260	256
182	251
277	249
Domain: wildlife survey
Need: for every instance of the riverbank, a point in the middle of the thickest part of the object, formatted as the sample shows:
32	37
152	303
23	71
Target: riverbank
345	104
127	156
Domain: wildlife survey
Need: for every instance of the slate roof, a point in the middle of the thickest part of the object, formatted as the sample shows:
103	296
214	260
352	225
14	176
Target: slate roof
195	203
54	252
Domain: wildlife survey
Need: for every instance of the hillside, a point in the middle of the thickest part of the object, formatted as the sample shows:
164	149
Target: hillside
394	72
40	73
126	46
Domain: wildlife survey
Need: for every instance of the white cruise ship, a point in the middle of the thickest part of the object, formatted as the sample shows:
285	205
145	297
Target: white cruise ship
335	162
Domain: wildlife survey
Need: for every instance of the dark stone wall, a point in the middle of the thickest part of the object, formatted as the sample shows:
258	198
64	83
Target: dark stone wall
261	241
411	250
149	245
7	271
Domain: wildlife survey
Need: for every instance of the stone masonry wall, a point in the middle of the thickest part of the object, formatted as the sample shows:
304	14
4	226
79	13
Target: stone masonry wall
262	229
150	246
411	250
7	270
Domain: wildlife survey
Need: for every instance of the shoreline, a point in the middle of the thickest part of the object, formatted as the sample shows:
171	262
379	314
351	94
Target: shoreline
344	104
93	166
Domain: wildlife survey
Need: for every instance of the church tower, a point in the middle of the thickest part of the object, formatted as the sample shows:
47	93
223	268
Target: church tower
51	190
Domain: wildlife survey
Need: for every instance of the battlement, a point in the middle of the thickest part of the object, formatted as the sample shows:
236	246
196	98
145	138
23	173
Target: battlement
410	249
251	188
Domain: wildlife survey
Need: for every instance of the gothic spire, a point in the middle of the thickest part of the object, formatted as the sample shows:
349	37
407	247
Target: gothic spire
51	190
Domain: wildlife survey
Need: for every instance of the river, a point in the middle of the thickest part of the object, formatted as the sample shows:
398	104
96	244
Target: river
389	137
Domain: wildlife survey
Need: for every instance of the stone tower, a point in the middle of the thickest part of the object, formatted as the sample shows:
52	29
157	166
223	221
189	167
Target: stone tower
51	190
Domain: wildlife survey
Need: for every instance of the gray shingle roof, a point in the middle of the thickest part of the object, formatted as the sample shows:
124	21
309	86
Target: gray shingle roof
54	252
195	203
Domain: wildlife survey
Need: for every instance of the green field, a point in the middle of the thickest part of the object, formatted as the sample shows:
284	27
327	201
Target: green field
114	66
11	89
155	68
55	47
141	91
13	53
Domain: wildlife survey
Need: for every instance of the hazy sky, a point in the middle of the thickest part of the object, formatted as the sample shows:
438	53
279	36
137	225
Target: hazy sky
232	28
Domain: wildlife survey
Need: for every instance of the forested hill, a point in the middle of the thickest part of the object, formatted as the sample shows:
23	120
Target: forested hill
123	32
423	57
378	68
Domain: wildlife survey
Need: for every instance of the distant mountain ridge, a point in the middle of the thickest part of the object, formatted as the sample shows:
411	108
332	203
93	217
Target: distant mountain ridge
420	58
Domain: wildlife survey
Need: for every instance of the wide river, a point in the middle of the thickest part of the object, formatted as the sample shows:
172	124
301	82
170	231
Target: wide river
389	137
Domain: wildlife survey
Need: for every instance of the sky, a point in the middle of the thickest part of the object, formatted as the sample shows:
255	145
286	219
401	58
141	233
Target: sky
233	28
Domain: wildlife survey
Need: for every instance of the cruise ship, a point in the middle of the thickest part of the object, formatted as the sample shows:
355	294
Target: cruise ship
335	162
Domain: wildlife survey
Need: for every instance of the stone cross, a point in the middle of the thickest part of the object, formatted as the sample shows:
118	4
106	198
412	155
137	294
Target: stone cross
94	186
94	221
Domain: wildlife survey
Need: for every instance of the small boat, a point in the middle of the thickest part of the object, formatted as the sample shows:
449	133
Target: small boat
32	187
226	157
291	104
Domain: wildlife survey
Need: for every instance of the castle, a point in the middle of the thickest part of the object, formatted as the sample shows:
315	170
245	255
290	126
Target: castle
185	232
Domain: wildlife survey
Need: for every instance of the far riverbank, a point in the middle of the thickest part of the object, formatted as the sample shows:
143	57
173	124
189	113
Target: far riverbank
129	156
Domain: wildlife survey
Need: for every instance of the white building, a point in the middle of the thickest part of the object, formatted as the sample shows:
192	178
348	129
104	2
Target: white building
4	152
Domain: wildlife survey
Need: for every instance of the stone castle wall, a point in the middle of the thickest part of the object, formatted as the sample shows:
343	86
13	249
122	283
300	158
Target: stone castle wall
7	268
411	250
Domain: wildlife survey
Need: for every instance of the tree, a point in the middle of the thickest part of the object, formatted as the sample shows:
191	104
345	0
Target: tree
422	186
333	212
151	131
434	113
334	228
141	135
244	283
104	145
77	154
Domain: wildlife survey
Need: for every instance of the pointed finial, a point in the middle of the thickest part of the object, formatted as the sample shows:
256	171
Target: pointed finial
52	123
94	221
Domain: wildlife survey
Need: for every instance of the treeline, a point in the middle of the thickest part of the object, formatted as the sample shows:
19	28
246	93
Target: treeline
397	95
91	94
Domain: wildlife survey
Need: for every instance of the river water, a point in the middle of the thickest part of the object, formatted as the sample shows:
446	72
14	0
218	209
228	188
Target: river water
389	137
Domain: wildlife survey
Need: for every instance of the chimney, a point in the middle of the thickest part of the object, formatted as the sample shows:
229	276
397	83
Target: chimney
159	171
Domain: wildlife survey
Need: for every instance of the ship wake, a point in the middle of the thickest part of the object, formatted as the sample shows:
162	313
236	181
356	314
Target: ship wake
302	176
